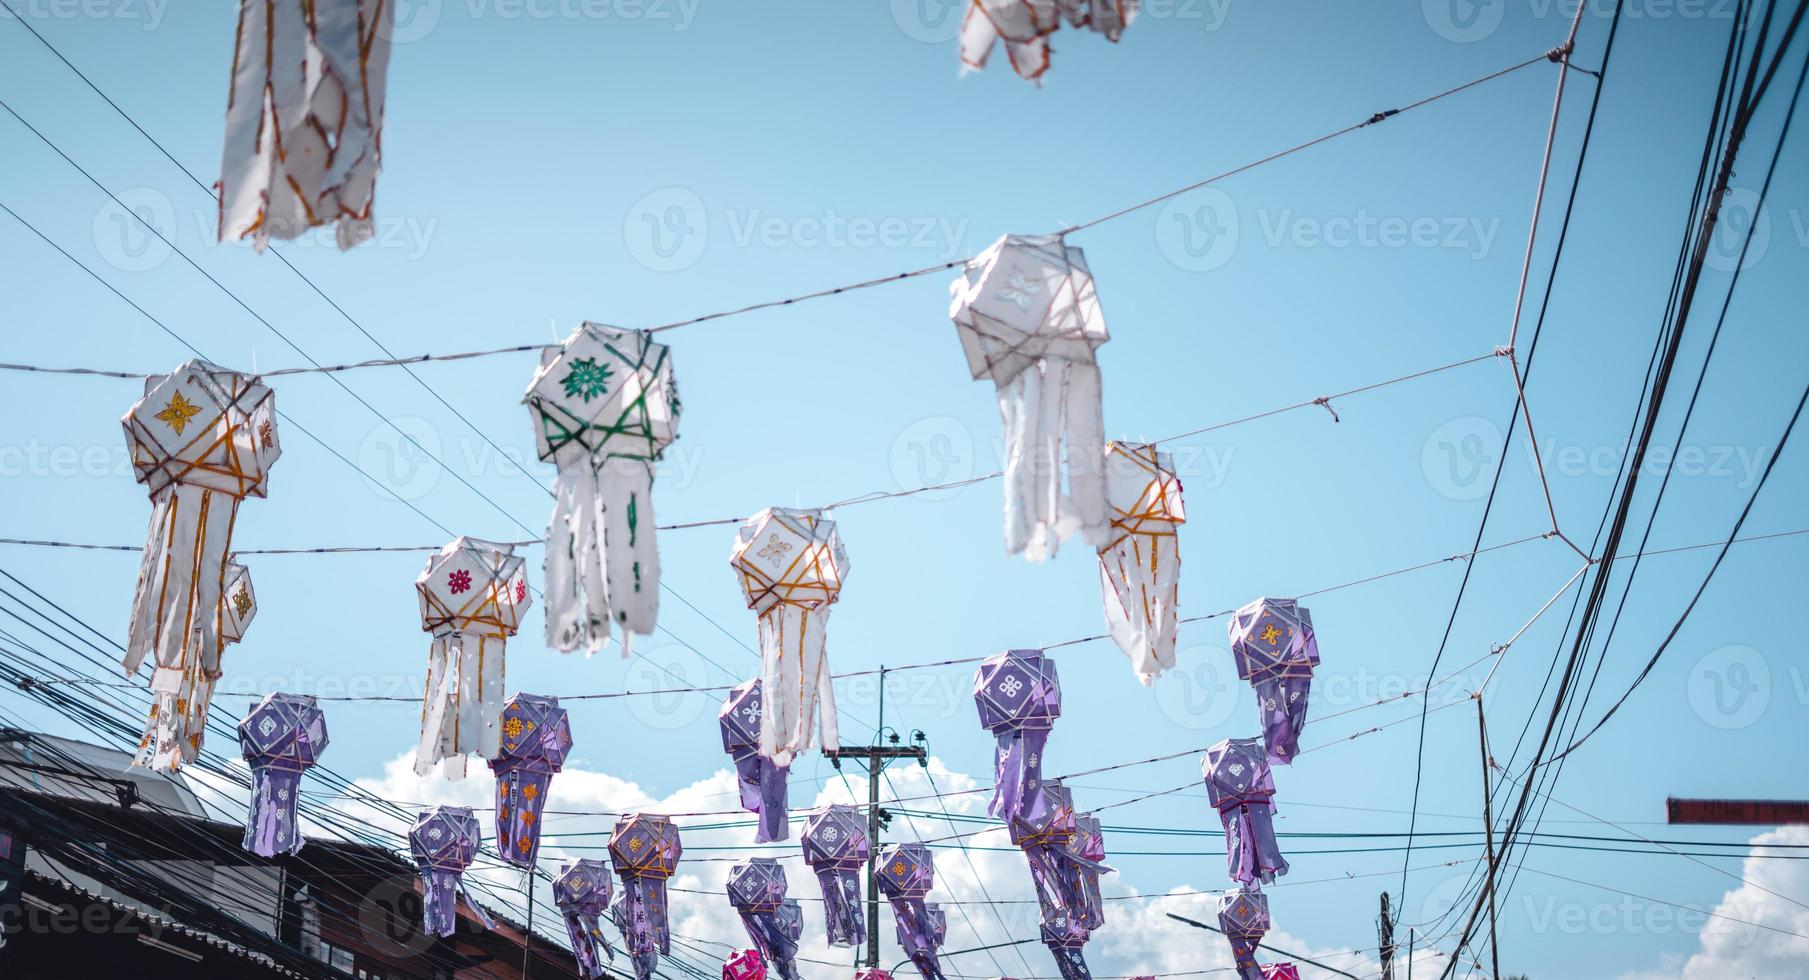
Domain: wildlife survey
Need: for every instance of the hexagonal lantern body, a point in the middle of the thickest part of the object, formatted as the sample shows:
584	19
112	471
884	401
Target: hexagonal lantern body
1143	486
907	871
604	392
835	837
789	555
204	426
445	838
1062	932
1026	297
471	584
585	884
872	973
1237	769
1281	971
740	719
645	845
1273	637
238	603
281	737
1244	913
757	885
744	964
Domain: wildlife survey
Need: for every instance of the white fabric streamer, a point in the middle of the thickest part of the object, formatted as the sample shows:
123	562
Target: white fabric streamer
1025	26
792	564
1030	321
473	595
202	439
304	119
1140	567
605	408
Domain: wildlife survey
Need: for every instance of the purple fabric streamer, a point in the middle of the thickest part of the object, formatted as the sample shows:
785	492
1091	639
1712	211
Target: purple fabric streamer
1240	785
1044	828
280	738
1081	868
1276	650
1019	696
1065	937
906	874
536	737
582	891
1244	918
757	890
924	956
444	842
762	783
644	963
645	849
835	846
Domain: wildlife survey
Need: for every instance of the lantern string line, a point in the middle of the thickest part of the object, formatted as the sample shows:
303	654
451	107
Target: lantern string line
393	361
869	497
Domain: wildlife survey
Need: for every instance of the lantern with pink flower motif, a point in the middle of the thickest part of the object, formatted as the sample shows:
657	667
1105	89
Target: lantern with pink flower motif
473	595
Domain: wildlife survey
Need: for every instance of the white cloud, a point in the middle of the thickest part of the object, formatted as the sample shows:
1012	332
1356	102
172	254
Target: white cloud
1734	945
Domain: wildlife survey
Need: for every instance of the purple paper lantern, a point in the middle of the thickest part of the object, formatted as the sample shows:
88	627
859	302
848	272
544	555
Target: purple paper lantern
444	842
835	846
582	892
1044	827
281	737
1081	868
906	873
744	964
536	737
1244	918
757	890
937	934
1065	936
1273	644
645	849
1019	697
762	781
1240	785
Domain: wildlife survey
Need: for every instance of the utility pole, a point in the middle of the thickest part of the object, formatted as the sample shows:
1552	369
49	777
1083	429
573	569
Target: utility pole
1488	829
875	757
1385	929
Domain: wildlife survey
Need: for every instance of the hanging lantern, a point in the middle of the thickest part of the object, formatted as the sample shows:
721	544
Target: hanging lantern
1019	697
792	564
835	846
605	408
757	890
1025	26
582	892
472	596
744	964
1244	919
444	842
1043	828
202	439
1080	870
924	955
1029	321
1064	935
645	849
1240	786
762	781
536	736
906	873
280	738
304	119
1273	643
1140	564
1281	971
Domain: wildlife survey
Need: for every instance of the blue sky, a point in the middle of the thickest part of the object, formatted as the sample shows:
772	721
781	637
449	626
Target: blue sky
639	163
